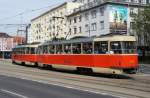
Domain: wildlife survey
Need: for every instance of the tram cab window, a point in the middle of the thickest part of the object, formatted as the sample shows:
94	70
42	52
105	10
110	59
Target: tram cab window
101	47
16	51
67	49
59	49
129	47
51	49
116	47
76	48
87	48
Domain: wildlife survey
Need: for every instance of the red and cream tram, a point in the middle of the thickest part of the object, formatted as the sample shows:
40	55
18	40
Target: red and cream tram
111	54
25	54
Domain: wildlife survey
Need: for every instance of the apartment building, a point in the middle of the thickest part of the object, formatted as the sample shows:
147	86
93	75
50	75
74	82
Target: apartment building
6	45
51	24
102	17
133	1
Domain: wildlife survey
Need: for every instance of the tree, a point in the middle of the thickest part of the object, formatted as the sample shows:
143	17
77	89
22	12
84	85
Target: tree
142	24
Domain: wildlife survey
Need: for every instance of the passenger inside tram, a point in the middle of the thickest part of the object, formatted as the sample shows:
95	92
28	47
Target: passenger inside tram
101	47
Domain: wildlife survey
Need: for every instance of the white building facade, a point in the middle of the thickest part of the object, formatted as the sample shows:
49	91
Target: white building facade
85	18
102	17
51	24
132	1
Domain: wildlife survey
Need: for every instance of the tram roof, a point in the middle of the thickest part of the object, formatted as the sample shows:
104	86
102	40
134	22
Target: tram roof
27	45
116	38
91	39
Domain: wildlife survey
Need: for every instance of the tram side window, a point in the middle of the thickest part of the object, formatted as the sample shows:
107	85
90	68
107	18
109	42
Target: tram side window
22	50
51	49
87	48
45	49
27	50
59	49
76	48
19	51
116	47
39	51
101	47
67	49
32	50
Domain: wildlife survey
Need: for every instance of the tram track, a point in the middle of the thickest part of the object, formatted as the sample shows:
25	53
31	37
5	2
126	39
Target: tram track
78	77
65	78
96	81
77	85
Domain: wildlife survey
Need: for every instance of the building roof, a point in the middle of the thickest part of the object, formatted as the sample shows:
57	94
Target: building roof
4	35
60	5
83	8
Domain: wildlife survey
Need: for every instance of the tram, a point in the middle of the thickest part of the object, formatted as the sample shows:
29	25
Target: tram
25	54
109	54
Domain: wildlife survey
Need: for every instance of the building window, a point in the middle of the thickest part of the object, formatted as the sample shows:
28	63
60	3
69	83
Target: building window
86	16
87	28
94	27
102	11
94	13
131	25
70	21
70	31
75	30
80	18
75	19
102	25
80	30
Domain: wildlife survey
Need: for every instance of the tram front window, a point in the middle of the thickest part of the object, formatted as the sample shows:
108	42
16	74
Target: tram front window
126	47
129	47
116	47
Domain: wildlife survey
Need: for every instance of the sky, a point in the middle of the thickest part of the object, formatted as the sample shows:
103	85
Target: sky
21	12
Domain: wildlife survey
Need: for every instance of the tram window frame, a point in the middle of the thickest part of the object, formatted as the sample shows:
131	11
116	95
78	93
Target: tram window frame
87	48
101	47
76	49
117	49
67	49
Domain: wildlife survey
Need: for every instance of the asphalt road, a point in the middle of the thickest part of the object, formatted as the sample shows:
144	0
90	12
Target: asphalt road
19	88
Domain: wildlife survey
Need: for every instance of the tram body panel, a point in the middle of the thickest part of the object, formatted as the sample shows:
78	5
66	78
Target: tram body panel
25	57
104	61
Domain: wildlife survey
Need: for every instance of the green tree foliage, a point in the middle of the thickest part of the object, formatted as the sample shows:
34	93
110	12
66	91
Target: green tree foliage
142	23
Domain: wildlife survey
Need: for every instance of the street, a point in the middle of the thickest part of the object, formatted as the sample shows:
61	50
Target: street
19	88
18	81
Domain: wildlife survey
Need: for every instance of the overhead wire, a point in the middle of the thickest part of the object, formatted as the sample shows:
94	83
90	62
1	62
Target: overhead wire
27	11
